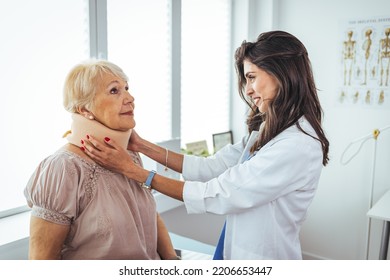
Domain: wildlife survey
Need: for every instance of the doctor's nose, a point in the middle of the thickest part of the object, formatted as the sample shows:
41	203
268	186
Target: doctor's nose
248	89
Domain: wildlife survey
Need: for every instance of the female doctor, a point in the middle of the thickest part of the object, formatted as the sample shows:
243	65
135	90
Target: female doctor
263	184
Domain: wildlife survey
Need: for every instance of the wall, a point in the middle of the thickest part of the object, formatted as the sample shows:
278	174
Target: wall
336	227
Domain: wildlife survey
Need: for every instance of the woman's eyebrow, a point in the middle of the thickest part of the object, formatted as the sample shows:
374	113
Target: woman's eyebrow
111	83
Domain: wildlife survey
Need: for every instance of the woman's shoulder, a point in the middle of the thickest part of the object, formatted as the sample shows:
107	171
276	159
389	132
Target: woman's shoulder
60	164
297	136
301	128
53	186
58	158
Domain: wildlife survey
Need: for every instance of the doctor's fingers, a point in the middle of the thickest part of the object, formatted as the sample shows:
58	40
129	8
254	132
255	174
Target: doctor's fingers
96	149
108	154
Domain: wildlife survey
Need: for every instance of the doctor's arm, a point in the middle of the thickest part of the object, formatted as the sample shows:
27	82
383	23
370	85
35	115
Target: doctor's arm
163	156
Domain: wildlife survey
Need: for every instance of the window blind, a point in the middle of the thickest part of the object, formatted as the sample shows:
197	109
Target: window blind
206	63
37	50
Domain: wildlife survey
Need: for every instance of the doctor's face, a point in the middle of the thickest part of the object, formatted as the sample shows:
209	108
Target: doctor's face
261	87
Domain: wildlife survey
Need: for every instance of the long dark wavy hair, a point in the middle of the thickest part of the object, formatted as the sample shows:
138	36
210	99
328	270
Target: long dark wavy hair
283	56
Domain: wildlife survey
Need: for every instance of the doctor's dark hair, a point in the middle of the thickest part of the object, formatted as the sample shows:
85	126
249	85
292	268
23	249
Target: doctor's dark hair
283	56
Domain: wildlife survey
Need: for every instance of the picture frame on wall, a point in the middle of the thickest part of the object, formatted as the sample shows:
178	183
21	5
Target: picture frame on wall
222	139
198	148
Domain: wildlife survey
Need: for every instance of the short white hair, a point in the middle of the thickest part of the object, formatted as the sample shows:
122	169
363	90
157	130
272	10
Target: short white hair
82	82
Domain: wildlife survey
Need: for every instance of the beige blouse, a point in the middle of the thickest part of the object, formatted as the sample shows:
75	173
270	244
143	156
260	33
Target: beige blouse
110	216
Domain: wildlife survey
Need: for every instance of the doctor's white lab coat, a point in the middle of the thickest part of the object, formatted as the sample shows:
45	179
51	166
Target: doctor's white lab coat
265	199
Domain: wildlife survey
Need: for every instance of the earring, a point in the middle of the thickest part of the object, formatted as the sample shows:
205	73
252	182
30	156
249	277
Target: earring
90	117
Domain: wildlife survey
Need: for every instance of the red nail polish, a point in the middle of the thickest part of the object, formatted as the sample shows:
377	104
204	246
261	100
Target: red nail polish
106	139
87	136
82	148
82	141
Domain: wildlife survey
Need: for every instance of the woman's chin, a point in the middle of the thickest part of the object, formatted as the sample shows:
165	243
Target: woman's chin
262	108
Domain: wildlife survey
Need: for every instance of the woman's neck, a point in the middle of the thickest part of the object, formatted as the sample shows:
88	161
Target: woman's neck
81	127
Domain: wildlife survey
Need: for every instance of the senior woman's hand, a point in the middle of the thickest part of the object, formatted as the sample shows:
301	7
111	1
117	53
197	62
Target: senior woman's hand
109	154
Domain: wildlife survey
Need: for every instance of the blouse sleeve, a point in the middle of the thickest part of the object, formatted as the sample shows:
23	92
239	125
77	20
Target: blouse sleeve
52	190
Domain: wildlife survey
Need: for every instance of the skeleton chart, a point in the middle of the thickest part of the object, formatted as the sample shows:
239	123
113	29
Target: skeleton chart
365	63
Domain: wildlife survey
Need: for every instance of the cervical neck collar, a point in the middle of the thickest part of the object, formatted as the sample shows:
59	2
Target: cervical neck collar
82	126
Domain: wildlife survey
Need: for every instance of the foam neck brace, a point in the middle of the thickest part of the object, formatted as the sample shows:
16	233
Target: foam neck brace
82	126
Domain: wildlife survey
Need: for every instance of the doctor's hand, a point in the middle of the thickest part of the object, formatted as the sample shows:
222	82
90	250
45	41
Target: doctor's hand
109	155
134	142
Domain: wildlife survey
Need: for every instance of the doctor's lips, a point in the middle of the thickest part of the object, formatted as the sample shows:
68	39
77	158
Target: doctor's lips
255	99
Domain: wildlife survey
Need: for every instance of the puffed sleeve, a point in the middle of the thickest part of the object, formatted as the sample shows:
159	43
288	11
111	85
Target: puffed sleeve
52	190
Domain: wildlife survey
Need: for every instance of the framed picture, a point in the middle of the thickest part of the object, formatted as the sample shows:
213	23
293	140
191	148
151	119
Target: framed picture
220	140
198	148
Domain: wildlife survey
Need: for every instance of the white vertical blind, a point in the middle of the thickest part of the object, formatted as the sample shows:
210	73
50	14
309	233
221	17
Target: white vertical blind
40	41
205	69
139	41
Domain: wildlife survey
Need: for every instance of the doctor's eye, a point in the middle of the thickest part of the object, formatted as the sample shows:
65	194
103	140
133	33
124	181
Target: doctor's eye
251	78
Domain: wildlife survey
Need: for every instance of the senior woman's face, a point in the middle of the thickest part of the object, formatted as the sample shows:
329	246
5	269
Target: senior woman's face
113	104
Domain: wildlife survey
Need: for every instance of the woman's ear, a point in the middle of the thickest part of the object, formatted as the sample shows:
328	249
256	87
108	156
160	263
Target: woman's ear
84	112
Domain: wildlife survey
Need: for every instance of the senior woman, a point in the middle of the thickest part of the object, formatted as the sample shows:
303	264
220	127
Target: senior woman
81	210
